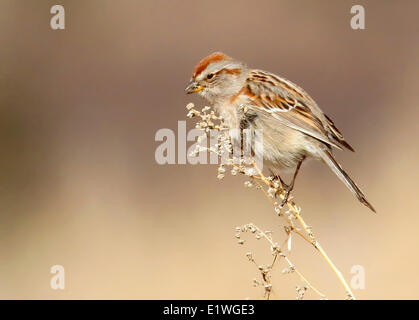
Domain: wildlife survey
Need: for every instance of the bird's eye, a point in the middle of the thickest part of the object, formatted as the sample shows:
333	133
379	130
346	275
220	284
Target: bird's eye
210	76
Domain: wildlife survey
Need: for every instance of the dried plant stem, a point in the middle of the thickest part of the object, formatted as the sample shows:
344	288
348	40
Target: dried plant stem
311	238
349	292
292	266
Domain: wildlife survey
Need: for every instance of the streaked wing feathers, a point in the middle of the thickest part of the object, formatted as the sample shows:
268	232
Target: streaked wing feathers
293	107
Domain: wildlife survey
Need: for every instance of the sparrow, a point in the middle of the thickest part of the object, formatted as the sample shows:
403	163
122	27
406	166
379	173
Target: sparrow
292	125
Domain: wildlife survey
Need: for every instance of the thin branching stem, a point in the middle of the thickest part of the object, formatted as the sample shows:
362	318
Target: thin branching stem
296	212
281	254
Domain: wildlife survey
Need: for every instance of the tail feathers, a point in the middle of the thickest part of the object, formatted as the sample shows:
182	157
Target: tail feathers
346	145
337	169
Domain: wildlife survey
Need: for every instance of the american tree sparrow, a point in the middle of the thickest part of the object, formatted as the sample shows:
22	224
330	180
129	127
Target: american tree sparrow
294	128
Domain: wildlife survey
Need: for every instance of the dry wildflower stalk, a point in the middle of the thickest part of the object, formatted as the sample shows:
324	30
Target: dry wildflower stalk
272	189
276	252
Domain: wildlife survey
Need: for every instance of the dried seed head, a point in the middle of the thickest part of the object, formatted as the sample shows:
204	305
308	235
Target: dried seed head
272	192
248	184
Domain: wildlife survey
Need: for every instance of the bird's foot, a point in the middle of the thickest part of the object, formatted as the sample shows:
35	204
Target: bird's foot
287	191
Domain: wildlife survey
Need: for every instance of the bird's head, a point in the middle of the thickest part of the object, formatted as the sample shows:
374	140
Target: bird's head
217	77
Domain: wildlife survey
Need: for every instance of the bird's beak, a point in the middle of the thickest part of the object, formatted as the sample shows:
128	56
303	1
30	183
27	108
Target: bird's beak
193	87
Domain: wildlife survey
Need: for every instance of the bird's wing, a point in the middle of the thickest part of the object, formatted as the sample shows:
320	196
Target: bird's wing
292	106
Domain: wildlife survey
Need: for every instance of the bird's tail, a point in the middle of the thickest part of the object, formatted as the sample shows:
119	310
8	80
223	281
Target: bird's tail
337	169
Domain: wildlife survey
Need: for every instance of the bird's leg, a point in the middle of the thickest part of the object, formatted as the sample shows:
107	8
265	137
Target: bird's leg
274	177
288	188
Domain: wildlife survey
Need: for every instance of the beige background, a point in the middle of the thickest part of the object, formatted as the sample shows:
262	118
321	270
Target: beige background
79	185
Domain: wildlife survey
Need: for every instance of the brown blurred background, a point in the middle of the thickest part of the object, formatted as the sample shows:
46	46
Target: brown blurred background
79	185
